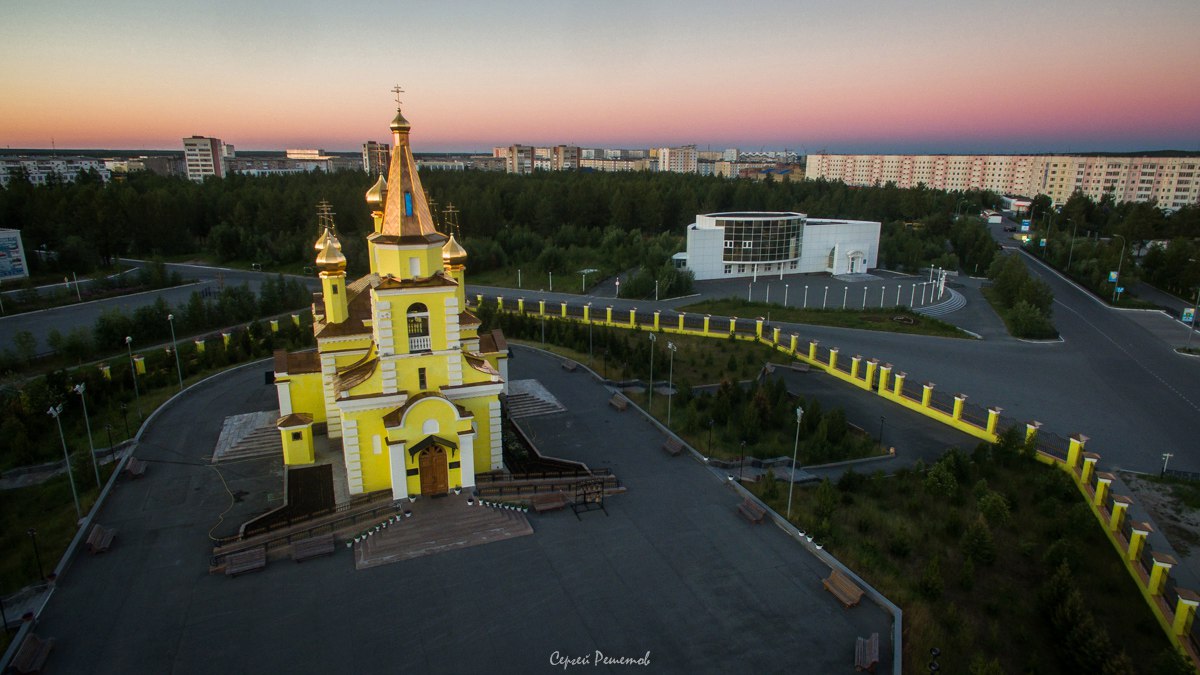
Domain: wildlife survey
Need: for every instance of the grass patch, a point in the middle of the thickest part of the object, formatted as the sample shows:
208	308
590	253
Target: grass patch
973	551
883	320
1015	324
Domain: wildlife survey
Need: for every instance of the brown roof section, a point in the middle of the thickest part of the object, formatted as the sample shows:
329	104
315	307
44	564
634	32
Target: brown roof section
418	240
436	280
405	191
355	374
493	342
293	420
466	318
479	363
358	310
295	363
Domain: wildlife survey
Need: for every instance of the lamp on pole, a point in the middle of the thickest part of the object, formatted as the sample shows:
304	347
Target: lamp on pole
55	411
618	293
711	422
670	381
1071	249
650	402
1121	259
175	348
37	556
741	461
133	370
551	281
785	289
795	454
79	389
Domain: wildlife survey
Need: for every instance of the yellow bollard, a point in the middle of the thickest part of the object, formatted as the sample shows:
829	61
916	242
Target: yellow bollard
681	315
105	371
927	395
1137	538
656	318
541	307
993	419
1119	507
854	361
608	316
296	319
833	352
885	375
898	386
139	364
199	346
274	325
1185	611
521	305
564	310
869	378
959	401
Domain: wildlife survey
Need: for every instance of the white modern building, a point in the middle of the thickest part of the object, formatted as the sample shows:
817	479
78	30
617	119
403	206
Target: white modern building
749	244
39	170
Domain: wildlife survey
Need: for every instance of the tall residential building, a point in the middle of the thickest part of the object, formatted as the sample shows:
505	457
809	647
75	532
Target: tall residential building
1171	182
520	159
202	156
678	160
566	158
375	157
39	170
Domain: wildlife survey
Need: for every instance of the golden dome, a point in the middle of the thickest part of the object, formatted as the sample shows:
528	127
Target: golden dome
399	123
322	241
330	259
376	193
453	253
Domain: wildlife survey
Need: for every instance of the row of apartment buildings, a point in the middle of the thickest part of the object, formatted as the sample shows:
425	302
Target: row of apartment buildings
525	159
1170	181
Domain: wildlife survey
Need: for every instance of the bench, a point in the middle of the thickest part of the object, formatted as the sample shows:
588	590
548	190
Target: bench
569	366
251	560
866	653
673	446
313	547
31	657
619	402
548	501
843	588
100	538
135	467
751	511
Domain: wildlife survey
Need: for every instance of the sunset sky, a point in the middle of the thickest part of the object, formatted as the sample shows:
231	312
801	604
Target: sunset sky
847	76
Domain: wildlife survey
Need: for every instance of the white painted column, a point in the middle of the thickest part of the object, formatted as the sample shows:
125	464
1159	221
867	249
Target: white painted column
354	475
284	392
495	427
466	453
398	471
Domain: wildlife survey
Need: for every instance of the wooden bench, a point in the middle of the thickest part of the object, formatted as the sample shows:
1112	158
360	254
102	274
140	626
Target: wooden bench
100	538
313	547
251	560
866	653
569	366
135	467
32	655
548	501
673	446
751	511
619	402
843	588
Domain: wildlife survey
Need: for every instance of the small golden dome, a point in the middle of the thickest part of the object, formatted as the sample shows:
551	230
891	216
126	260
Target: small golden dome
322	241
399	123
377	192
453	253
330	259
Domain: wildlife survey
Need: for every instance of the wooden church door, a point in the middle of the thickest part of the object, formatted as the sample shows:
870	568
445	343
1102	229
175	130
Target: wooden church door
434	471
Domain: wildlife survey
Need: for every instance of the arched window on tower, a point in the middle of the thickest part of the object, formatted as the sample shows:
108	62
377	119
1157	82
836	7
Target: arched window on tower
418	328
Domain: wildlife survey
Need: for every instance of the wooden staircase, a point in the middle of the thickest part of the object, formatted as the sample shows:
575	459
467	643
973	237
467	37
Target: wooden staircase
436	526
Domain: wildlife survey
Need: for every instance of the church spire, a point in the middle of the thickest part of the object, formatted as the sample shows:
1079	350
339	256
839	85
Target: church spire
406	209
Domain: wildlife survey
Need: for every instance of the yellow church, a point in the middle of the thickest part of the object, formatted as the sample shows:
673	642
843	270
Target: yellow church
400	374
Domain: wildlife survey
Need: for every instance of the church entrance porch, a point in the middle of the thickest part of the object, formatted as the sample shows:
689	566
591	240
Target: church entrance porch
433	467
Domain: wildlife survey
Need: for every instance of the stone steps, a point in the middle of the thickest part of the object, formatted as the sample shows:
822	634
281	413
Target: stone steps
527	405
437	526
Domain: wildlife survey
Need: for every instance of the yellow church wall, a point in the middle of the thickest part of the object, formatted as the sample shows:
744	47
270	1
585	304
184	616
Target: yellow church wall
373	459
394	260
480	410
305	390
297	450
436	374
434	305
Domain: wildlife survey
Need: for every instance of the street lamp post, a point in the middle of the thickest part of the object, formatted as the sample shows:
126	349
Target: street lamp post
711	422
79	389
551	281
133	370
785	291
795	454
618	293
845	294
1192	325
881	420
175	348
825	298
54	412
656	290
37	556
670	381
1121	259
518	277
741	461
1071	249
650	402
590	325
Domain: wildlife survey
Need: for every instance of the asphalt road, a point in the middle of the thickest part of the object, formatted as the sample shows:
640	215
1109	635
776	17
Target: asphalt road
65	318
1114	377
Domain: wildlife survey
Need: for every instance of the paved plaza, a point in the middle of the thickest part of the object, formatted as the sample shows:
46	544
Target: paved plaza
671	570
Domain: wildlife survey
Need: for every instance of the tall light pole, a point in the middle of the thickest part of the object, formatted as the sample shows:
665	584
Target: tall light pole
551	281
656	290
785	289
175	348
79	389
825	298
1071	249
1121	259
670	381
845	294
795	454
618	293
133	370
55	411
650	403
